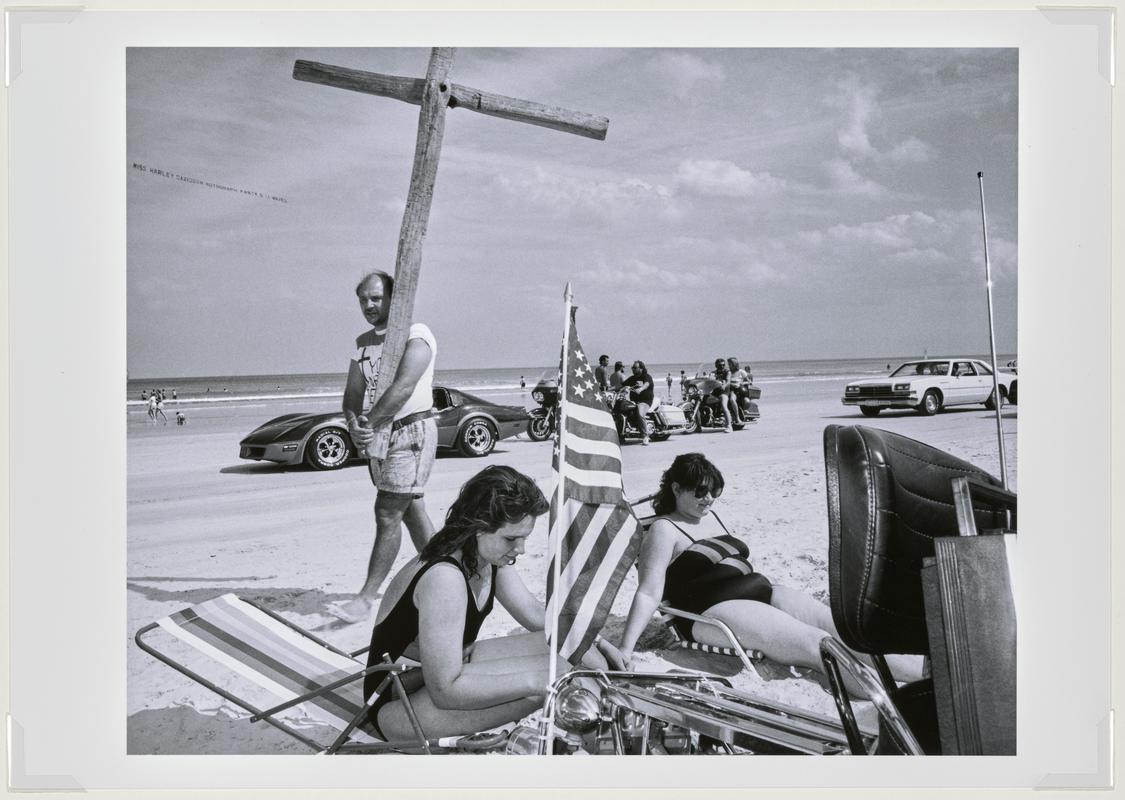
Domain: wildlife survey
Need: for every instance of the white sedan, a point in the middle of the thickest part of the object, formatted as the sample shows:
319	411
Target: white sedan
929	385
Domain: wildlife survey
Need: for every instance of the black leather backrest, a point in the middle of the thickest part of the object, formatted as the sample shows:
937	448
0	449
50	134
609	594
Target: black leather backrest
888	497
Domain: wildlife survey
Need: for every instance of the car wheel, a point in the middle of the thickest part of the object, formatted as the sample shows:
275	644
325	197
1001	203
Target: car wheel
990	403
691	417
1012	394
477	438
931	404
328	449
539	428
869	411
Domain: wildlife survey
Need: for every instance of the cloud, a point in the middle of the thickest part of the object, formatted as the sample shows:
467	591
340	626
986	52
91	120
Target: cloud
724	179
569	194
911	150
634	273
898	232
680	72
919	257
844	179
859	104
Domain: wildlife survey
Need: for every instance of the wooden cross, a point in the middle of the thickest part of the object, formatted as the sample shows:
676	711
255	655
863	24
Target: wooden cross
434	94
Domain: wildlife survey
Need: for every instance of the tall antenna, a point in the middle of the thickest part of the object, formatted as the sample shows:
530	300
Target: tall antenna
992	338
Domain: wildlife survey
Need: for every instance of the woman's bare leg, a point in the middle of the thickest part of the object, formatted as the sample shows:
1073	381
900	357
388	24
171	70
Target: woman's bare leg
395	723
813	612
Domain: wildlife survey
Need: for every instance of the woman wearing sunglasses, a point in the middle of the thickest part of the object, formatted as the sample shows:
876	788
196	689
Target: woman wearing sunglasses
692	562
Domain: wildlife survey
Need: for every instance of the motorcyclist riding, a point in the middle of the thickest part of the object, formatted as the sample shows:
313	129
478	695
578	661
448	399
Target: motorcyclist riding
640	393
738	378
723	391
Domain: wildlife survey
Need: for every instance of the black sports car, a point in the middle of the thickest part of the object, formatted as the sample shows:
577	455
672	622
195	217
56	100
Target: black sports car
466	423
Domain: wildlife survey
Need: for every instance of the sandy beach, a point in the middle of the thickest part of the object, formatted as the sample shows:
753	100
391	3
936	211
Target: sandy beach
201	523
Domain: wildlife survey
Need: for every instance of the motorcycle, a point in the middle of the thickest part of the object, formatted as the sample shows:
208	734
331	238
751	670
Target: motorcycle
544	419
703	408
663	419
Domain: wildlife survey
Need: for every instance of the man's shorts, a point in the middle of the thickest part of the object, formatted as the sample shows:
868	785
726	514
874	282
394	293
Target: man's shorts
410	458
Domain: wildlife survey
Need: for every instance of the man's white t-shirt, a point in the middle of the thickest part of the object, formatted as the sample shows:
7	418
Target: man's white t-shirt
370	357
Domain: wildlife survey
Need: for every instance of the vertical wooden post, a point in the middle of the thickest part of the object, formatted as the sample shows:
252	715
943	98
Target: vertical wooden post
408	262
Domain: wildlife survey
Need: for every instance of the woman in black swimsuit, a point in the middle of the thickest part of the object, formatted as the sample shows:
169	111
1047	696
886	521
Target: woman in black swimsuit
691	561
433	609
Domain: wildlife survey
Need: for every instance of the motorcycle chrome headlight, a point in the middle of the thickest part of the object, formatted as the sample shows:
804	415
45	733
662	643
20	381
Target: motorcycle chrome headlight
693	391
537	396
577	709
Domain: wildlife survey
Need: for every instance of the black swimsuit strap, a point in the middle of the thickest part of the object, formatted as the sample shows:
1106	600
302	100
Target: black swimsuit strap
681	530
721	525
688	535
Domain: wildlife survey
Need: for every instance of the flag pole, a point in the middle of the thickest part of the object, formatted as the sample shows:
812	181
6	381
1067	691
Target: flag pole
992	338
547	723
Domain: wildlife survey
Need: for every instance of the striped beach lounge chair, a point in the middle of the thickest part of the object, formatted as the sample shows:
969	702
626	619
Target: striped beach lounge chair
264	655
667	615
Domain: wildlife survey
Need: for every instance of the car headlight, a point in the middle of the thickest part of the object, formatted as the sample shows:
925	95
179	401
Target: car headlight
851	390
902	387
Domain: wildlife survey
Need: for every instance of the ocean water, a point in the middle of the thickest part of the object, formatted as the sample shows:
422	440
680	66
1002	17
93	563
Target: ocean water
241	388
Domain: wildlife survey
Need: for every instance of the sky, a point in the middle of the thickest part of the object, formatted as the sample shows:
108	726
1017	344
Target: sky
765	203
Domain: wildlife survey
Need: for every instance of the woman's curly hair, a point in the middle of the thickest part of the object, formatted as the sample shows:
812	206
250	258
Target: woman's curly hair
690	471
494	497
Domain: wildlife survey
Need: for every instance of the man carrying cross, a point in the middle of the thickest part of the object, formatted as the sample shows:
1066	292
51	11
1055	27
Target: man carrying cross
400	477
408	357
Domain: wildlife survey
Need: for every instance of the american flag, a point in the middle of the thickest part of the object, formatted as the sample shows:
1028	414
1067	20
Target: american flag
599	533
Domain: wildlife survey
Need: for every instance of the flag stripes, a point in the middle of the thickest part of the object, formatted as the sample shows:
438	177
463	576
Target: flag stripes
594	534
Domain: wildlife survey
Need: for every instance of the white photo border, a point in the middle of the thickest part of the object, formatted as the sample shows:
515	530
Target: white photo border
66	145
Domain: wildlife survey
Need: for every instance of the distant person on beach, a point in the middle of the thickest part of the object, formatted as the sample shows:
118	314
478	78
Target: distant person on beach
181	419
523	383
436	604
160	410
601	373
144	395
174	394
683	385
668	380
152	408
617	378
678	566
406	405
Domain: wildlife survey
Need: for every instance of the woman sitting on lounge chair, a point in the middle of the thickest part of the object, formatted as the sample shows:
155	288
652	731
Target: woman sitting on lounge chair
692	562
433	609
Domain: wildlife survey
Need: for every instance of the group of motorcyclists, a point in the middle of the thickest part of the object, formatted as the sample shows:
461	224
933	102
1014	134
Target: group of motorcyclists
631	398
722	398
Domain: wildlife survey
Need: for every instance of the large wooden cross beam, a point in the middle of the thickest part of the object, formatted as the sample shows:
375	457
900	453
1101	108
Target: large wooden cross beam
434	94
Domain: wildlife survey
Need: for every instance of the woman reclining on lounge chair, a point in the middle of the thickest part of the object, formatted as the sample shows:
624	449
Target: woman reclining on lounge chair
690	560
433	609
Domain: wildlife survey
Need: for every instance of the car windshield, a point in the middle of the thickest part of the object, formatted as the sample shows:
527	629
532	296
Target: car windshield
911	368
